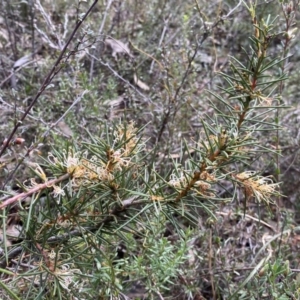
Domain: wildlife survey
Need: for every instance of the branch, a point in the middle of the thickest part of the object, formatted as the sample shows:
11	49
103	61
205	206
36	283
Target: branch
34	190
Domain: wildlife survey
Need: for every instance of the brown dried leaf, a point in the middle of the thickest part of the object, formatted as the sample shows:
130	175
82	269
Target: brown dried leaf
12	233
140	83
22	61
65	129
117	47
115	107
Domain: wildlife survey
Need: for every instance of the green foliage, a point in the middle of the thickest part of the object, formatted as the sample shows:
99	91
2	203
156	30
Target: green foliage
274	280
151	177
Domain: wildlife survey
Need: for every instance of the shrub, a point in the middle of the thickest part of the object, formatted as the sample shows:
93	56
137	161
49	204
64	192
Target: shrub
150	198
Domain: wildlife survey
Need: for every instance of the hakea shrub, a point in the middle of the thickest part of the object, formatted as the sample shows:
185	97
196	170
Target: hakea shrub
87	199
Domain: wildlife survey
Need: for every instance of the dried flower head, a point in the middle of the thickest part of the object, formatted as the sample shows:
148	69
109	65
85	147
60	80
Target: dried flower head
179	182
202	188
118	159
86	171
262	188
57	191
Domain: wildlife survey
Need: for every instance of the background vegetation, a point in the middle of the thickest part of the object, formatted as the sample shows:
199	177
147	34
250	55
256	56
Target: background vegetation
155	155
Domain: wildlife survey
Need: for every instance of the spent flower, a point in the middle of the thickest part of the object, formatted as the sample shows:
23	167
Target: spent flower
262	188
